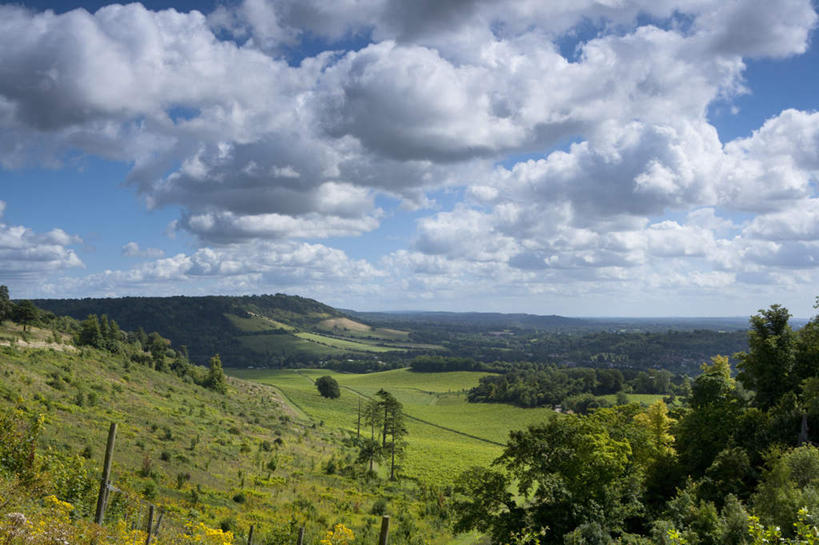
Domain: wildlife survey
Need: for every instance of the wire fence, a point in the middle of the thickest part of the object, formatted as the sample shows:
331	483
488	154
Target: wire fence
136	514
139	519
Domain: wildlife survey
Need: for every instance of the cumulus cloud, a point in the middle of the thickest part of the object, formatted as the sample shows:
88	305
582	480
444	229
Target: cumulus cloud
590	163
235	268
25	253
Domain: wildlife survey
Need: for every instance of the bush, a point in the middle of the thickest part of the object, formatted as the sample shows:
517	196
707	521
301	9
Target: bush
328	387
379	507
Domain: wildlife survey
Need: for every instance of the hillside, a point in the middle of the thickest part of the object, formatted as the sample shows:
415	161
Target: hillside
226	460
258	330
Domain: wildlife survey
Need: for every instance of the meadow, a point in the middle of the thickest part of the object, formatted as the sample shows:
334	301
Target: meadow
447	434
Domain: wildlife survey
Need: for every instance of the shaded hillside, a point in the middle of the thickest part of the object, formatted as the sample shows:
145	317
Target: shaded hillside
248	331
206	325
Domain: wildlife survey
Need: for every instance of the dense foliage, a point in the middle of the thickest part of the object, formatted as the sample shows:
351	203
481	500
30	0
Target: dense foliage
733	459
575	387
328	387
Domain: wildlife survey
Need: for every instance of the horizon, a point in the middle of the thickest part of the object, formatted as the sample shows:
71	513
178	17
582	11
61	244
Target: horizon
423	311
638	160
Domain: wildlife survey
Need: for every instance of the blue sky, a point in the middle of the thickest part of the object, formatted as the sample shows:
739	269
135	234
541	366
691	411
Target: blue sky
651	158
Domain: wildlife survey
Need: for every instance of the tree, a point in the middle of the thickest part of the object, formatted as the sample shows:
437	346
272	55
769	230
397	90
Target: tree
656	420
215	379
370	449
768	366
713	418
25	313
5	304
394	429
90	334
328	387
569	473
789	482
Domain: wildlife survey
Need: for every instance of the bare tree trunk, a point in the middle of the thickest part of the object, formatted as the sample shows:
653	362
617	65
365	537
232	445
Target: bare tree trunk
392	461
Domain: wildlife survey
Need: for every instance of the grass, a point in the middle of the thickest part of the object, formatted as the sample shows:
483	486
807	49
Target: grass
223	441
645	399
257	323
286	344
344	344
446	433
346	327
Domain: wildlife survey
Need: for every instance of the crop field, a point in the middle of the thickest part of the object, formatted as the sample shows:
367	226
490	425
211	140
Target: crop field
446	433
350	328
284	344
343	344
257	323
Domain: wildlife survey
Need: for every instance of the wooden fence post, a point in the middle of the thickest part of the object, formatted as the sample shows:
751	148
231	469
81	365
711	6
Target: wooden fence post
250	536
385	530
102	499
150	524
301	536
159	522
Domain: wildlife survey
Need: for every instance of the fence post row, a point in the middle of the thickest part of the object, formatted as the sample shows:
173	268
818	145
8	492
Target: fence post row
105	482
102	499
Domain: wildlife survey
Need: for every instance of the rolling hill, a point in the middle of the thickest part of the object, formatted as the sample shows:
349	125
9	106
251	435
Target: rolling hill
247	331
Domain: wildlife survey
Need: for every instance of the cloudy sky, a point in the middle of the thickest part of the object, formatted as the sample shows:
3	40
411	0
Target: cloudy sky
583	157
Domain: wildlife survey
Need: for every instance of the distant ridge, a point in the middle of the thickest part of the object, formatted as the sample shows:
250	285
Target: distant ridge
205	325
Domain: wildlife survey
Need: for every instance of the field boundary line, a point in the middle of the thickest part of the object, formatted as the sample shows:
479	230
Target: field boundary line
421	420
433	424
287	398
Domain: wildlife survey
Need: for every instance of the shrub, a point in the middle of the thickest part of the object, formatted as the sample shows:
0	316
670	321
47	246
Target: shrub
379	507
328	387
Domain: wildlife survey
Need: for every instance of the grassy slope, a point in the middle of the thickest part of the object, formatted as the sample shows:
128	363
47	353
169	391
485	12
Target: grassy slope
434	454
332	337
177	427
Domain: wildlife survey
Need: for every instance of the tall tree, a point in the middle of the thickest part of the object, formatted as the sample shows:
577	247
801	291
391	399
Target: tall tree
370	449
25	313
215	379
5	304
768	366
90	334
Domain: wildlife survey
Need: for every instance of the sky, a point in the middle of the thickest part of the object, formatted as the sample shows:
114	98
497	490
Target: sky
583	157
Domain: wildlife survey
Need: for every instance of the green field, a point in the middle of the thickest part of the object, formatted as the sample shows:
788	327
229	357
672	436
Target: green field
645	399
446	433
284	344
343	344
257	323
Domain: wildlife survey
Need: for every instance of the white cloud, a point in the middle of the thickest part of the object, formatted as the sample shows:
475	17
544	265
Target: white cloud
132	249
236	268
25	253
628	186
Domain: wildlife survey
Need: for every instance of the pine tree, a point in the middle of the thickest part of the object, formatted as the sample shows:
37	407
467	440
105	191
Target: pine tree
90	334
25	313
216	376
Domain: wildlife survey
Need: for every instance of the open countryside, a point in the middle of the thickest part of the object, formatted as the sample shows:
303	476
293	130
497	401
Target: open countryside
446	434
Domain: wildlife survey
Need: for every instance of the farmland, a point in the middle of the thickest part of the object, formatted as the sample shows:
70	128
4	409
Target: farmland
446	434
